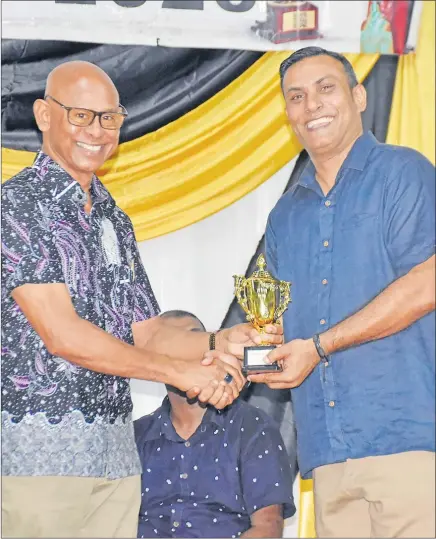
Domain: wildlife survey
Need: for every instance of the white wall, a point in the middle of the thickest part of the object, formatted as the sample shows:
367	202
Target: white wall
192	269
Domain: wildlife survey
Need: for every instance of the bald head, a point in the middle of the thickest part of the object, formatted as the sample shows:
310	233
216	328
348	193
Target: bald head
78	78
80	149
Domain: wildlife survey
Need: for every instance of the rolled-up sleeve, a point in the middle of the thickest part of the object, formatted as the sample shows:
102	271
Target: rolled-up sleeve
409	213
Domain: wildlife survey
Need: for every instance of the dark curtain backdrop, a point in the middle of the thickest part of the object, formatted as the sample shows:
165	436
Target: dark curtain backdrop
157	85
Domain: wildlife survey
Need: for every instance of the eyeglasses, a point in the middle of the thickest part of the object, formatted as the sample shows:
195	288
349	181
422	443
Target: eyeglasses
84	117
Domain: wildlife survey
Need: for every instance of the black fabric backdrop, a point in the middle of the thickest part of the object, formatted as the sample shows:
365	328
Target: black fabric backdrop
157	85
277	403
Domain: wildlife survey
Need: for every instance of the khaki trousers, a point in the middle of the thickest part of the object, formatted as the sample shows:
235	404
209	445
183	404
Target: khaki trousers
70	506
385	496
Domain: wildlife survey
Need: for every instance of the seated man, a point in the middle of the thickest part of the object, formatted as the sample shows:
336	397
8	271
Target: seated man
209	473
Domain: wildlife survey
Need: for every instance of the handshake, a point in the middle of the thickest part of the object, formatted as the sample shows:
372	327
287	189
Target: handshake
219	379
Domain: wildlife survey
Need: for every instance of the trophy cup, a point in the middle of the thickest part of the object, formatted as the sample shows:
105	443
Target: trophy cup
264	300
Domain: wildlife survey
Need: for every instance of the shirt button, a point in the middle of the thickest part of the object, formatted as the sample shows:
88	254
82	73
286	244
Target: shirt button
331	404
327	203
187	444
184	476
176	524
325	243
324	281
322	321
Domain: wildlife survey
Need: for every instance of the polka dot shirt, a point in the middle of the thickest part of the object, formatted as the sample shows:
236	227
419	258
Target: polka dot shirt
210	485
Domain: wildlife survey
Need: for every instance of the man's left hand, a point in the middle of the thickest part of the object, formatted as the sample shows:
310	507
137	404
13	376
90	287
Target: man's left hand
233	340
298	358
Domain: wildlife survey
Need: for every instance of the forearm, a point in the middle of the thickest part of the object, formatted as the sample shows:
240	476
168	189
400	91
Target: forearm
156	336
402	303
268	529
89	346
266	522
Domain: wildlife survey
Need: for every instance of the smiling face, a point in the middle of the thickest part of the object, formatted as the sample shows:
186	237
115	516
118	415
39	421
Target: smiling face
324	112
79	150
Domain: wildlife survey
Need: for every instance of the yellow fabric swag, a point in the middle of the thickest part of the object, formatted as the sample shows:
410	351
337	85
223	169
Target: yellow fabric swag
205	160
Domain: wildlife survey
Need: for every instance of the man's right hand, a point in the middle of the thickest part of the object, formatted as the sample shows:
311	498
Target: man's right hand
206	382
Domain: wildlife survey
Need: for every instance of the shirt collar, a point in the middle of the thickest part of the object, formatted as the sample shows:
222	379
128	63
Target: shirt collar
59	186
356	159
162	424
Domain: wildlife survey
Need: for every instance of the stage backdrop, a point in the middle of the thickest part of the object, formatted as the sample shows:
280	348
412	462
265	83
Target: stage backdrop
191	267
381	26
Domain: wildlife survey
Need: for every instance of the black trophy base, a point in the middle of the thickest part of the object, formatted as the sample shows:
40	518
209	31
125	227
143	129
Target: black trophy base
254	360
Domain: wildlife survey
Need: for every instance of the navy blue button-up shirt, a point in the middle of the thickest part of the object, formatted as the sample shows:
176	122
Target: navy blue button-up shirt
340	251
208	486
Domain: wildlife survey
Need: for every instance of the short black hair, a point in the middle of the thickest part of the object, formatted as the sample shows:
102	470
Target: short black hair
310	52
177	313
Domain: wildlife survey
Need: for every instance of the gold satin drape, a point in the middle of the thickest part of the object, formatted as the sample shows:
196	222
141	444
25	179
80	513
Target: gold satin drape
306	517
206	160
412	119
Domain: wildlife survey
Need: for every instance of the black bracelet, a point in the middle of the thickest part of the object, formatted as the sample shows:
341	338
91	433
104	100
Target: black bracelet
212	341
323	356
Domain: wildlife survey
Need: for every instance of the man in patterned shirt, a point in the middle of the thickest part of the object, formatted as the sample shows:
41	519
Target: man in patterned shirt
75	298
211	473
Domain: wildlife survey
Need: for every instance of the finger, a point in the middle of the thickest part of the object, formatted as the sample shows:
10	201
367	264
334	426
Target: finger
226	358
238	378
233	389
267	378
271	338
211	355
207	360
207	392
265	338
274	328
217	395
277	354
258	378
193	392
282	385
225	400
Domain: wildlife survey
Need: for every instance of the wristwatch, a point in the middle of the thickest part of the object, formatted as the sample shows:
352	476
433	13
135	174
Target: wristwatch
212	341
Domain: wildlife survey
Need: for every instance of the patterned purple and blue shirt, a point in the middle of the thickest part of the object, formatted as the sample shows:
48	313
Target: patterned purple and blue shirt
59	418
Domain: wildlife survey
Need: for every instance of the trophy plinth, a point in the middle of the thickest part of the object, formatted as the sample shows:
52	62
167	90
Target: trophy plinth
289	21
264	300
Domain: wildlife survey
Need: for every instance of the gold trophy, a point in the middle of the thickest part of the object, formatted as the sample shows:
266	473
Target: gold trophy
264	299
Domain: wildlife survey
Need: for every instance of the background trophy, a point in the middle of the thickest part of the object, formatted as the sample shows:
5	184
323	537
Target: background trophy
264	299
289	21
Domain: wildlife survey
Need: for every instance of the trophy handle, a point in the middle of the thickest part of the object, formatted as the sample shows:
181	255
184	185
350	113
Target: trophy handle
241	296
285	298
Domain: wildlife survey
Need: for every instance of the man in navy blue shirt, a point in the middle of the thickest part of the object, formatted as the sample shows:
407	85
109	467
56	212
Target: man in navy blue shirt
356	238
210	473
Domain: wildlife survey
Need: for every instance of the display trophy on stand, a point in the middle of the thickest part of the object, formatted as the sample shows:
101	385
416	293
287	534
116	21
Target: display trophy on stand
289	21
